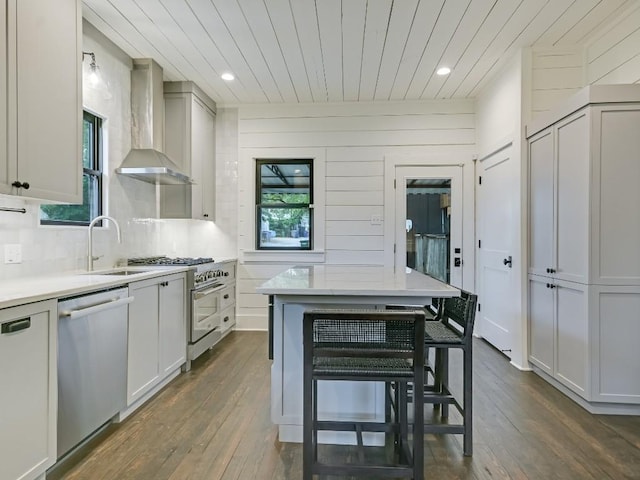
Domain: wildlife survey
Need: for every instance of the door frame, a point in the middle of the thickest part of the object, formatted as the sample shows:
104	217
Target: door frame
461	158
453	172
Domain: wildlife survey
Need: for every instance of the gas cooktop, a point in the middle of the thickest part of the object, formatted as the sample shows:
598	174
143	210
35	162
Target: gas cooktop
163	260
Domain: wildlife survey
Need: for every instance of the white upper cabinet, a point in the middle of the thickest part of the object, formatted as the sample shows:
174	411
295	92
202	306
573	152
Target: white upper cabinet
584	168
40	99
190	143
559	179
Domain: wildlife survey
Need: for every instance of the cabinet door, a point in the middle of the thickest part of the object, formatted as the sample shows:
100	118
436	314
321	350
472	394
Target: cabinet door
541	201
616	356
5	184
48	95
572	198
541	324
143	349
28	401
173	328
203	150
572	358
615	195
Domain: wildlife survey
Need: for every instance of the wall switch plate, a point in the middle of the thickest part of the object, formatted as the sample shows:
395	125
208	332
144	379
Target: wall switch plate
376	219
13	253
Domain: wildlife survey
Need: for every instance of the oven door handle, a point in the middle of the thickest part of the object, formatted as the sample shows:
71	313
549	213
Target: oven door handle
199	295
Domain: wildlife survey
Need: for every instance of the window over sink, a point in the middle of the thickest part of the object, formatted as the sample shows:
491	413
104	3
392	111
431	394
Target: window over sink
92	166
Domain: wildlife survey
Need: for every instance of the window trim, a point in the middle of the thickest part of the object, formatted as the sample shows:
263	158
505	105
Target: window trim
247	211
258	194
97	172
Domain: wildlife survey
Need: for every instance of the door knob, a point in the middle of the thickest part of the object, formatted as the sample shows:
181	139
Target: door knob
508	261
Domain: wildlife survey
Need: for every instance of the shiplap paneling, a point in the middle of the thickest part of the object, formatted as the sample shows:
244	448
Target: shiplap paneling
353	183
355	257
351	212
362	227
330	110
355	242
360	123
341	138
283	24
356	138
398	30
339	197
426	16
354	14
355	169
614	57
556	74
343	50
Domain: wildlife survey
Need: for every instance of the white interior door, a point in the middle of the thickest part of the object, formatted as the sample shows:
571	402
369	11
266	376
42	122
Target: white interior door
410	177
496	232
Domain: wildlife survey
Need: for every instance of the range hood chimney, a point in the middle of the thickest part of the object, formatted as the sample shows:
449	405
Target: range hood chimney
146	160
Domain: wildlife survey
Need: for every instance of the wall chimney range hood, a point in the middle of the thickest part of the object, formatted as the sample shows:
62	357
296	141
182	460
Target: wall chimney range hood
146	161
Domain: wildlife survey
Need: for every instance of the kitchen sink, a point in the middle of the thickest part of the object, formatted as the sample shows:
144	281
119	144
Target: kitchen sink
120	272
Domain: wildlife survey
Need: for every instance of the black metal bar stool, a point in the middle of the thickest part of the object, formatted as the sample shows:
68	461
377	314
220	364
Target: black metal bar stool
452	328
365	345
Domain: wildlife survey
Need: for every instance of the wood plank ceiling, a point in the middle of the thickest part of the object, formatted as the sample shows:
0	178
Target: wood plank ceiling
300	51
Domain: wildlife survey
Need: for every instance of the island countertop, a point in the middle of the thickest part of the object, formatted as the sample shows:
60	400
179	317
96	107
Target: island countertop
344	280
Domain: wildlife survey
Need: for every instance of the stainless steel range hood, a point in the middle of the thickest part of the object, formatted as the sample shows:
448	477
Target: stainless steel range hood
146	160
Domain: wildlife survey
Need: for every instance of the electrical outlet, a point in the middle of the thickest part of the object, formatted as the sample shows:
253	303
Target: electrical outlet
376	219
13	253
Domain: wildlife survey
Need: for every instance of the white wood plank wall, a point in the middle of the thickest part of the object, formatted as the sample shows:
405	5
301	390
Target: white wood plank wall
355	138
556	75
614	56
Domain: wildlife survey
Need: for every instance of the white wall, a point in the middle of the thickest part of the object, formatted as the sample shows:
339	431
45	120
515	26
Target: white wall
132	202
354	143
501	108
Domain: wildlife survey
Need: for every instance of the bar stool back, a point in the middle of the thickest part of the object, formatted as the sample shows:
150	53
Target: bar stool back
365	345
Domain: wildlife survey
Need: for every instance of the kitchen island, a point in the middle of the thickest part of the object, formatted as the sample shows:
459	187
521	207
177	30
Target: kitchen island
332	286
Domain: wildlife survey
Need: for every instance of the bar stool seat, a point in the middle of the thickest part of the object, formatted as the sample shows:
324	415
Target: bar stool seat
365	345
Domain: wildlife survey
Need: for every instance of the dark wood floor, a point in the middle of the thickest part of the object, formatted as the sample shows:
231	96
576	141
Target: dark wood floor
213	423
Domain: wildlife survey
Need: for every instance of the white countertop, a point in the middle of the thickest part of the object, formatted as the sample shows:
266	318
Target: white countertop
27	290
355	281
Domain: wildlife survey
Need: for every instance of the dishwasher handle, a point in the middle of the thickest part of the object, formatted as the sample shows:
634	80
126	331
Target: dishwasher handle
113	303
199	295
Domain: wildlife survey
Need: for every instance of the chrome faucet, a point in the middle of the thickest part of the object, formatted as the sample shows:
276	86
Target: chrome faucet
90	257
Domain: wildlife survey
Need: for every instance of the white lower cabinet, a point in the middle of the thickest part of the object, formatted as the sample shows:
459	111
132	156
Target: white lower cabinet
157	332
559	331
615	331
28	401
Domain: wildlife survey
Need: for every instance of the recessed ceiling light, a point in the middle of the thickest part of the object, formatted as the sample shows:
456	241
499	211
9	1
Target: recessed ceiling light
227	76
443	71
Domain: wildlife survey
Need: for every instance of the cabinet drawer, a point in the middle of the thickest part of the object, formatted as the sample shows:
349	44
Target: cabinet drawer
227	319
227	297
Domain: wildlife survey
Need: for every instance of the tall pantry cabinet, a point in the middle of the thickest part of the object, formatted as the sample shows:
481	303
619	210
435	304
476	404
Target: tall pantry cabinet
584	247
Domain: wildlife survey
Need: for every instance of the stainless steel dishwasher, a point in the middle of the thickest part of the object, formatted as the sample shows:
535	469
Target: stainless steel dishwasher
92	363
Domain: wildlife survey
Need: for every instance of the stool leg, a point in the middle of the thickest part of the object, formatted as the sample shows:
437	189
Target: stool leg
307	425
443	373
467	400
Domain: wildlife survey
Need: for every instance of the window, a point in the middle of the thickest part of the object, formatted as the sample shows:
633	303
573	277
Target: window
284	204
60	214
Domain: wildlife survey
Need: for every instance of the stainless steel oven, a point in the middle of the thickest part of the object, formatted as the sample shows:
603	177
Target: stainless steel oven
205	307
209	297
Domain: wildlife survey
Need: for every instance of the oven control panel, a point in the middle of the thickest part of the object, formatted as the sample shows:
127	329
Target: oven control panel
222	273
